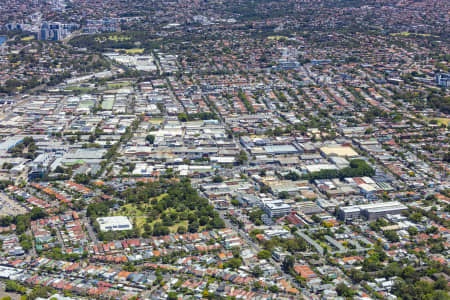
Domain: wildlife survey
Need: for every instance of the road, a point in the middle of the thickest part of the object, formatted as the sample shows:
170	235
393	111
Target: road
60	239
158	65
32	252
90	230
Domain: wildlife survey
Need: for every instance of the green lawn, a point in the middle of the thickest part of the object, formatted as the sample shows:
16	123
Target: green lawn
138	213
277	37
118	85
440	121
28	38
131	51
79	89
405	33
113	37
108	104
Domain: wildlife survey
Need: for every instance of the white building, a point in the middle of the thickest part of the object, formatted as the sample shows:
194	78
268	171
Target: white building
116	223
276	208
371	211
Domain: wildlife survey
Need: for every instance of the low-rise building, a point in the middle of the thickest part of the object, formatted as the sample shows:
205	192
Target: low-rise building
116	223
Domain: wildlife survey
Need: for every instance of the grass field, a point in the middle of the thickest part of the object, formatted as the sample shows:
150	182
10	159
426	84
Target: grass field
113	37
131	51
86	104
28	38
79	89
138	214
277	37
440	121
108	104
406	34
118	85
140	221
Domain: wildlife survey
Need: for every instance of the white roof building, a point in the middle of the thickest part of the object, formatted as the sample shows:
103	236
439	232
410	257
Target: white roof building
116	223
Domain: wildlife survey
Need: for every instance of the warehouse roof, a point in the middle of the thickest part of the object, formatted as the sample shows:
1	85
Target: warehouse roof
339	151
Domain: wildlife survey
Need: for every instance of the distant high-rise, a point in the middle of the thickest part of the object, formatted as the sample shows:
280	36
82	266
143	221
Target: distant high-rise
443	79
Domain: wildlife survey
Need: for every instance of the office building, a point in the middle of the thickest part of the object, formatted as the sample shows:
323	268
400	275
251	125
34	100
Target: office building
276	208
443	79
370	211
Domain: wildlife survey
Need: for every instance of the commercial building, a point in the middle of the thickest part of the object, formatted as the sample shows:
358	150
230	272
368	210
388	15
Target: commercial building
342	151
276	208
368	190
10	143
280	149
55	31
370	211
443	79
349	213
116	223
319	167
379	210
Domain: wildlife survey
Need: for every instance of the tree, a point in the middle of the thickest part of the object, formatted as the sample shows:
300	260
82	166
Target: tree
217	222
241	158
440	284
82	178
181	229
412	288
233	263
26	241
416	217
283	195
40	292
356	275
410	274
257	272
343	290
150	139
292	176
22	223
393	269
203	220
172	296
159	229
129	266
391	236
446	157
264	254
12	286
257	285
217	179
182	117
316	219
255	216
37	213
243	97
440	295
288	263
412	230
193	227
431	230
